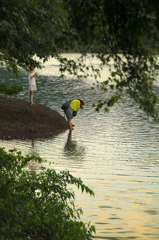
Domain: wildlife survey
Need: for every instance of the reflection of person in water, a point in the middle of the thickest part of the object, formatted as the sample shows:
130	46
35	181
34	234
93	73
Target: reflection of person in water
72	148
33	165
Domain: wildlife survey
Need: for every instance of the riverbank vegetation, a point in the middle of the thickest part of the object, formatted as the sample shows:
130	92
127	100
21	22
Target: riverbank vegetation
38	206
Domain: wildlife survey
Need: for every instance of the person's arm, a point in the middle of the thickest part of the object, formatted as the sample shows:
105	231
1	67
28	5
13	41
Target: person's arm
33	76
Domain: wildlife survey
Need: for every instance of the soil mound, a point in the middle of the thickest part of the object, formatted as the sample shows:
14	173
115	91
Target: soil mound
20	121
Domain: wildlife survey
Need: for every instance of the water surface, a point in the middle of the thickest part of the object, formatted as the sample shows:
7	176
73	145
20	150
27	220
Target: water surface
115	154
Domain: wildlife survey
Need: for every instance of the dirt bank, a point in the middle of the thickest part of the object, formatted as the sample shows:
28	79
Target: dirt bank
20	121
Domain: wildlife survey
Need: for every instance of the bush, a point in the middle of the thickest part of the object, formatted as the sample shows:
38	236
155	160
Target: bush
10	91
38	206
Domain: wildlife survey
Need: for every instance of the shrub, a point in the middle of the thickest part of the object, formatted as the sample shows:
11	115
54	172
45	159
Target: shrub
38	205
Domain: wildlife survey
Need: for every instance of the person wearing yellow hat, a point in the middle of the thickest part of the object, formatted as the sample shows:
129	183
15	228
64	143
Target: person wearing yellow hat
70	109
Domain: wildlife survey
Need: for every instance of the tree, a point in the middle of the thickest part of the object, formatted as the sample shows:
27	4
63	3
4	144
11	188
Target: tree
38	206
121	27
44	28
30	31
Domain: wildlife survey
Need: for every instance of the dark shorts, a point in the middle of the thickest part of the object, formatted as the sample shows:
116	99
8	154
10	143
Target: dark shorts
68	113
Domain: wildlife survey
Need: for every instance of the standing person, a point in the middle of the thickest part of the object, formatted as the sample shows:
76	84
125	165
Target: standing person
32	77
70	108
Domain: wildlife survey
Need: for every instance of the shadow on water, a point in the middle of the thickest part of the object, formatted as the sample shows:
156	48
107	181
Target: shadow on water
72	149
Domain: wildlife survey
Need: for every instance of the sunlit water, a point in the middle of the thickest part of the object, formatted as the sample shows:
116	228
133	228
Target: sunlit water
115	154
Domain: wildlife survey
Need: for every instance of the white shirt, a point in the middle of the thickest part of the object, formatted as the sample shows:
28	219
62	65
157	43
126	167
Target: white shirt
31	80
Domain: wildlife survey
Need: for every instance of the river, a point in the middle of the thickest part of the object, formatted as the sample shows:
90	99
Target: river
115	154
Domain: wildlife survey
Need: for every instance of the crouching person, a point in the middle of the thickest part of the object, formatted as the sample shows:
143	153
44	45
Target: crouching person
70	108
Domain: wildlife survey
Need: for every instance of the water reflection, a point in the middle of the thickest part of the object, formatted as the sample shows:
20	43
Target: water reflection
72	149
32	149
33	167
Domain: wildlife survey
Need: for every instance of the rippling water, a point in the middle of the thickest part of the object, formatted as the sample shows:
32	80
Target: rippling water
115	154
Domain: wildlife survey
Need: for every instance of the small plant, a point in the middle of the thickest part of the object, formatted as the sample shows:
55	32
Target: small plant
10	91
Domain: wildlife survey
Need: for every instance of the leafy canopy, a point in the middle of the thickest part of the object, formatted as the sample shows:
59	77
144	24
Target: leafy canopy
30	28
127	35
44	29
38	206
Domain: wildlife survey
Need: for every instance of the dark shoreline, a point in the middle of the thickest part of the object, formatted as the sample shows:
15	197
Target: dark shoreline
20	121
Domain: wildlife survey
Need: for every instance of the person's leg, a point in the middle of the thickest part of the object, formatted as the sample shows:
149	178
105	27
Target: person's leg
70	125
68	113
31	98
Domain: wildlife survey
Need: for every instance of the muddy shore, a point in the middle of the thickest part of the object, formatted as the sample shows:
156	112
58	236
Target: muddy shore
18	120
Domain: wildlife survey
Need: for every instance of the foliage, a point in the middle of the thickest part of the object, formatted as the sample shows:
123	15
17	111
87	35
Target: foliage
46	28
29	29
38	206
10	90
122	27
